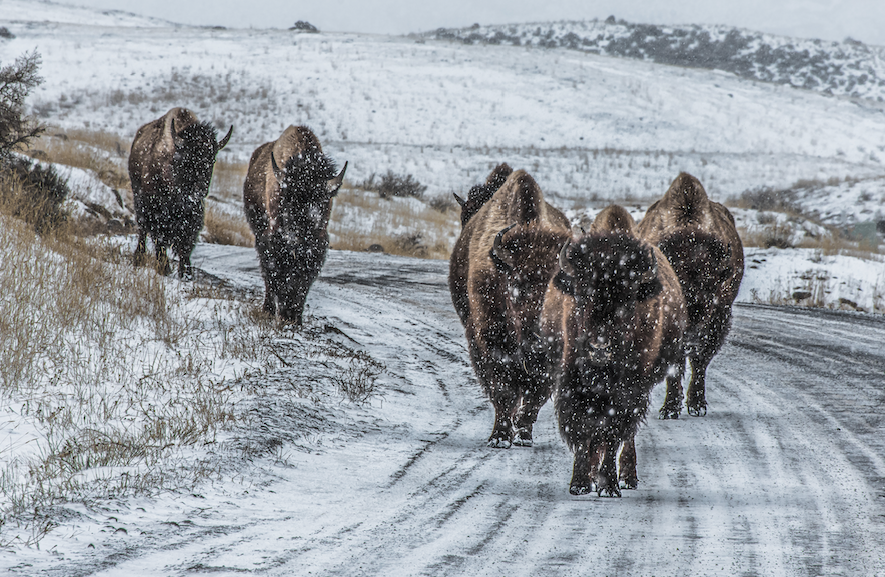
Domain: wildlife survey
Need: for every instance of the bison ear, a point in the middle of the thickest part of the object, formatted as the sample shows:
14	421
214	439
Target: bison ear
224	140
460	200
277	172
334	184
564	283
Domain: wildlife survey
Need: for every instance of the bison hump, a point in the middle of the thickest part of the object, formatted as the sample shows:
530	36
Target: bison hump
294	141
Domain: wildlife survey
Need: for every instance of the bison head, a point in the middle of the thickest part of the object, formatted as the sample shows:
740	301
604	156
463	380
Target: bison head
482	193
525	257
608	274
196	146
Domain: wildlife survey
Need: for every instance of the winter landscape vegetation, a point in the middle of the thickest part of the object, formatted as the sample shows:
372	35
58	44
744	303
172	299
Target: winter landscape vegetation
157	426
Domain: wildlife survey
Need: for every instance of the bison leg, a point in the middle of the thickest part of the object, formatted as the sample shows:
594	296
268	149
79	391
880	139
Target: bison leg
607	477
585	469
696	400
504	402
627	465
673	401
185	270
533	398
502	432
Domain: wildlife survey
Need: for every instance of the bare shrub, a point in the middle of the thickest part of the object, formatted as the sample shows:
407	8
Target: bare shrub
443	203
766	198
33	193
17	80
393	185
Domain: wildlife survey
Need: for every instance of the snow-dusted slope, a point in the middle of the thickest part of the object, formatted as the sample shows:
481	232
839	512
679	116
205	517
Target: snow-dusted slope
847	68
589	127
47	11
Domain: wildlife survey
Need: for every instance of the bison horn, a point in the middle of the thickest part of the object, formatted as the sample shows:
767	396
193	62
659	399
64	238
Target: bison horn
334	184
652	273
279	174
460	200
224	140
564	264
501	260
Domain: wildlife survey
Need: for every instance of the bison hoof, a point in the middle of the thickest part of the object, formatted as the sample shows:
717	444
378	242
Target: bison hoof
629	483
496	442
523	438
668	412
699	411
581	488
608	491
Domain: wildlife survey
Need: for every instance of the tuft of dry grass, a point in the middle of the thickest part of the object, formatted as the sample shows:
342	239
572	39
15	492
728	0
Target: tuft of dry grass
222	227
100	152
401	226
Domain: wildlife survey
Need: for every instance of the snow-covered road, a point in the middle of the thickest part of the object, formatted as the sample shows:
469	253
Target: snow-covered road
784	476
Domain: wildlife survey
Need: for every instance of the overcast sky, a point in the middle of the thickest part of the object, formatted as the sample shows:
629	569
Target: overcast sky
862	20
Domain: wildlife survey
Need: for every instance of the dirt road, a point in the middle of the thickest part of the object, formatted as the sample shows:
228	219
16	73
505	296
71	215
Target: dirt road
784	476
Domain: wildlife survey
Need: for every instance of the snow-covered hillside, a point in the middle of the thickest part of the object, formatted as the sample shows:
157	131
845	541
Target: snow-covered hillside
847	68
588	126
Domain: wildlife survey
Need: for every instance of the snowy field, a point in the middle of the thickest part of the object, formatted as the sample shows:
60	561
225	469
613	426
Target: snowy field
783	477
586	126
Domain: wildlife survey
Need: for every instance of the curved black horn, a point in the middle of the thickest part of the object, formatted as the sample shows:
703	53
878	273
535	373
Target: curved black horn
224	140
564	265
334	184
652	272
279	174
495	254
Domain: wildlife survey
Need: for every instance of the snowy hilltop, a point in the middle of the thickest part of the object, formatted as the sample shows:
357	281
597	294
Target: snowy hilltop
848	68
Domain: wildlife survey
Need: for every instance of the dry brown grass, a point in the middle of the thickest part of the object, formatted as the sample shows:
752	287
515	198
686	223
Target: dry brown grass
101	152
404	227
222	227
112	374
227	181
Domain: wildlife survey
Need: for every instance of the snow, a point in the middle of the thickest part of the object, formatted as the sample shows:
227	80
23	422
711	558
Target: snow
783	477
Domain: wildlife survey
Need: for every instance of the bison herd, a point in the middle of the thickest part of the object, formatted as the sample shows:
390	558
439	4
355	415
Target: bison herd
594	320
287	198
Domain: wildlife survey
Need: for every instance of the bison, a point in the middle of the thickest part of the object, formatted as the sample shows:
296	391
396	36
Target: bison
287	197
170	168
614	317
499	270
699	239
481	193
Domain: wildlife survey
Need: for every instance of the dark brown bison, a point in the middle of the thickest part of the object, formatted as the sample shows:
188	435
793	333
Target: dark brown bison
170	168
481	193
288	199
699	238
498	274
614	317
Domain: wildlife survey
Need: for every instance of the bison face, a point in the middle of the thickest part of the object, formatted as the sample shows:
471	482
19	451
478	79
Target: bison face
196	147
308	177
525	258
608	275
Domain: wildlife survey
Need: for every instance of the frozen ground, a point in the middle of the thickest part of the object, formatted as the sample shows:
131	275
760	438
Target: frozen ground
785	475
